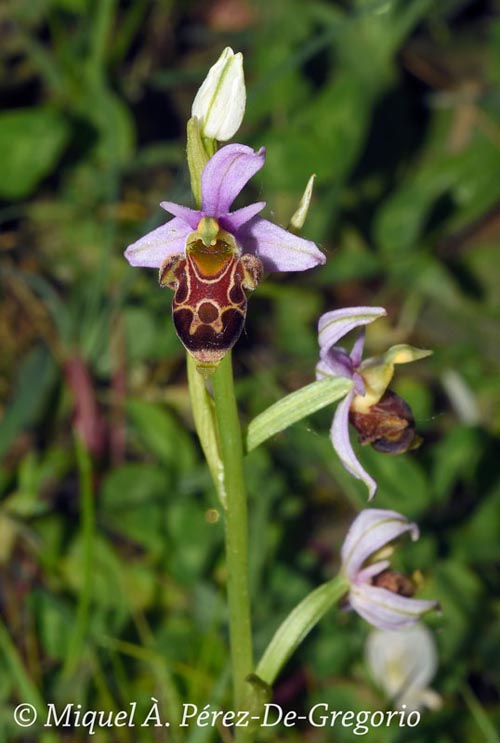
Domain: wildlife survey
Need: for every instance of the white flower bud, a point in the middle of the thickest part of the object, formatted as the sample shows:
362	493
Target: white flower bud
219	104
403	662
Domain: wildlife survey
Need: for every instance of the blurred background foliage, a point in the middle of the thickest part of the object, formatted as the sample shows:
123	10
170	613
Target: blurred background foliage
111	569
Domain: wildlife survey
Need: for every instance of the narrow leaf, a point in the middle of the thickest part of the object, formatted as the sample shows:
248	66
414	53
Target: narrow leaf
297	626
294	407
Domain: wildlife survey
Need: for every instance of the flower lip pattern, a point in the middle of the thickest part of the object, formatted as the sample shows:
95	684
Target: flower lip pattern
370	531
223	178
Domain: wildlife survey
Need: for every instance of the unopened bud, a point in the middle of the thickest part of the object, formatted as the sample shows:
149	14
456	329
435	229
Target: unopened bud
219	104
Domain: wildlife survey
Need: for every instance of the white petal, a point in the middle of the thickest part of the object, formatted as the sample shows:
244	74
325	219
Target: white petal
403	663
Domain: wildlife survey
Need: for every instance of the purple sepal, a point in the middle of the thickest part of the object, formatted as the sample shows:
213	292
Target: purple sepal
339	434
151	250
278	249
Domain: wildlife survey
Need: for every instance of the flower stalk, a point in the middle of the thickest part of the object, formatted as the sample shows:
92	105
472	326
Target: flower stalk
236	523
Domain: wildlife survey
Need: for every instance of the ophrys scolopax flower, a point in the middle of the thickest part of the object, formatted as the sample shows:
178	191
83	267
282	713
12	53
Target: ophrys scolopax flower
377	593
212	256
380	417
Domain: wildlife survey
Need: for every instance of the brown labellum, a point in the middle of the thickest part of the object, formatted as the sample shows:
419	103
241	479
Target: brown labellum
388	426
210	302
394	582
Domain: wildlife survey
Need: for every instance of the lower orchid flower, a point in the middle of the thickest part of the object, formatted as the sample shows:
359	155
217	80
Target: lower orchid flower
403	663
211	257
380	595
380	416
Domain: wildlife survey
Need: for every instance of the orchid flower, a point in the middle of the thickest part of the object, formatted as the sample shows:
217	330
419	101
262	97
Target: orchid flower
224	176
378	594
403	663
381	417
212	257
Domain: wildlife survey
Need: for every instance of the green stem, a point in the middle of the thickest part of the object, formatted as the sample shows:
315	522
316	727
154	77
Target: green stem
231	451
297	626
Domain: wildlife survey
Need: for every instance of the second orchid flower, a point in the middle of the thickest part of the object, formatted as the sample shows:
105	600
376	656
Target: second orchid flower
380	416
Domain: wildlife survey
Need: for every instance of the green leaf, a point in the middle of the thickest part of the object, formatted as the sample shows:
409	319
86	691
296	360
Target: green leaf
456	458
34	381
108	585
162	435
329	130
132	503
55	623
402	484
469	179
31	142
115	125
192	539
297	626
477	540
294	407
460	592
